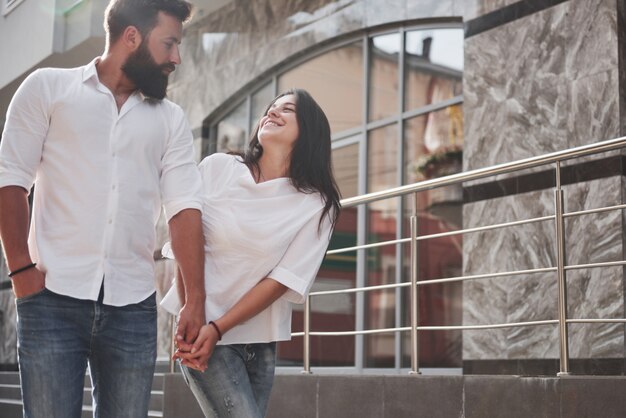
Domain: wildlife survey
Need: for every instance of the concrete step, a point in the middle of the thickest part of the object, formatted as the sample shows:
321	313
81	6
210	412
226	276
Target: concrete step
10	408
9	378
10	392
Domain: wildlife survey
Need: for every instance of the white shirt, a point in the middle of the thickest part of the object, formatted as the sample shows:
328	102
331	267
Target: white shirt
253	231
100	179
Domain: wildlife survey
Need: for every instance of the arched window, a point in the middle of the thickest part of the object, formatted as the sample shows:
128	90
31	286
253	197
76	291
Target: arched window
394	102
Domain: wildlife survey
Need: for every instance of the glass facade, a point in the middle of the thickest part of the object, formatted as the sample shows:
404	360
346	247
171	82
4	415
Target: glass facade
395	106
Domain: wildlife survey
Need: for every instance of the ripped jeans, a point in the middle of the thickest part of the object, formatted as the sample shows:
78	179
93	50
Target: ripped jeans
237	382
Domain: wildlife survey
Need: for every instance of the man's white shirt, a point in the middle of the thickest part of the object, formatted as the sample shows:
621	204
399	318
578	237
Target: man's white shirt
101	176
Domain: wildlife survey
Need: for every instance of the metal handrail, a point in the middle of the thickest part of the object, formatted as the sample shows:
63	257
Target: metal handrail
441	234
469	277
475	229
477	174
560	268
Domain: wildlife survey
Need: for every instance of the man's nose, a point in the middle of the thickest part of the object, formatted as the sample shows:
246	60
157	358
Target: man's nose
175	56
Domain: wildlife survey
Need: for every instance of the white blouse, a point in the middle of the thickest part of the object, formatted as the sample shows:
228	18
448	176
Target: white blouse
253	231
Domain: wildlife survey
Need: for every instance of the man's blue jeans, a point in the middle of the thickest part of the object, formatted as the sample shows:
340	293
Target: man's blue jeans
237	382
58	336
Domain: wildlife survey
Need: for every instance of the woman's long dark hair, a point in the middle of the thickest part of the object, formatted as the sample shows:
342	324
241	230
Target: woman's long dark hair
310	168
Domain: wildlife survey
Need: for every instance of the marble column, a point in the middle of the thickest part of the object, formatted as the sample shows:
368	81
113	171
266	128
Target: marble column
542	83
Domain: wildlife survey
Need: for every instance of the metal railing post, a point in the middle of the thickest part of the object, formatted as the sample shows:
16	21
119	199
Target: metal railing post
414	295
172	346
307	338
560	259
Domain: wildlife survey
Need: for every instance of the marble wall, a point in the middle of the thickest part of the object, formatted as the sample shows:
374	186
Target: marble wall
543	83
592	293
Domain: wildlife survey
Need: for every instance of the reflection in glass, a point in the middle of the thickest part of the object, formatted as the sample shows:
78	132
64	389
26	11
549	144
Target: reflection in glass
433	144
259	102
346	169
381	261
335	80
433	148
433	66
232	130
383	83
382	159
441	303
380	311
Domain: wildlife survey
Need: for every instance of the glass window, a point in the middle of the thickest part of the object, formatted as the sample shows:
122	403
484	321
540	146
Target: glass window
232	130
383	83
346	169
259	102
380	305
431	146
433	66
335	80
382	159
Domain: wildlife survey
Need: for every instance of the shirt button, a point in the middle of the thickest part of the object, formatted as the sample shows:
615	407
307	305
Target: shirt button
113	154
113	187
110	221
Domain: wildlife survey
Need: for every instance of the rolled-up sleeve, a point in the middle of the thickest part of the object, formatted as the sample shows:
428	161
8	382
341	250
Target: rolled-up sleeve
24	133
300	263
180	177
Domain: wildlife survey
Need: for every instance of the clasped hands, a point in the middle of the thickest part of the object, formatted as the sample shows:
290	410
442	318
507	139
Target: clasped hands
194	339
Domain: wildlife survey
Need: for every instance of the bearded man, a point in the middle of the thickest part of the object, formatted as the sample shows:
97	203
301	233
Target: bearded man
105	151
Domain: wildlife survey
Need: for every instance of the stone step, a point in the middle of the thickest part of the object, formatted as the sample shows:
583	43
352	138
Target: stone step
10	408
9	378
10	392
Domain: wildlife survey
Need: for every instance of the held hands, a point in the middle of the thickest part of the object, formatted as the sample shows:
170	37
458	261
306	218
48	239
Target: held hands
196	355
190	321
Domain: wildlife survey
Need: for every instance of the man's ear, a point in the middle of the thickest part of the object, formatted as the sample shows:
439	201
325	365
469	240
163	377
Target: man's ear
131	38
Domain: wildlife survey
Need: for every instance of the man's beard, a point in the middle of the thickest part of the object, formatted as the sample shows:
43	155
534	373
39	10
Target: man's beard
146	74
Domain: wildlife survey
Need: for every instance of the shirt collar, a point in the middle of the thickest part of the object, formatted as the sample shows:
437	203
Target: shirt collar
89	71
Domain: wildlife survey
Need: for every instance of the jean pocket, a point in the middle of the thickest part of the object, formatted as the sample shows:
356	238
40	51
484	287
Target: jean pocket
31	296
148	304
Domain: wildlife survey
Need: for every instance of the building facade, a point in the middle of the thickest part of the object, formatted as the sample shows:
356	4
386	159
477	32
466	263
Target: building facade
413	89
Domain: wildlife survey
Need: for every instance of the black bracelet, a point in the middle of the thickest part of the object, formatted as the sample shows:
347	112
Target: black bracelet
219	333
14	272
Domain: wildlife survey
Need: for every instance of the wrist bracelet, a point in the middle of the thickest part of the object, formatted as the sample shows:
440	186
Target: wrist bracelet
219	333
21	269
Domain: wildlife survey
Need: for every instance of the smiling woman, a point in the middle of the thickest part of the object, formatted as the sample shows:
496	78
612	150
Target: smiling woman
268	215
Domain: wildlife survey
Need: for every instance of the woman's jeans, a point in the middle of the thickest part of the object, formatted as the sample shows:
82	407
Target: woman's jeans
237	382
59	335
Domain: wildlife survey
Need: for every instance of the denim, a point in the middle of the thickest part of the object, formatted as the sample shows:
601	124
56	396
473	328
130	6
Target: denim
237	382
59	336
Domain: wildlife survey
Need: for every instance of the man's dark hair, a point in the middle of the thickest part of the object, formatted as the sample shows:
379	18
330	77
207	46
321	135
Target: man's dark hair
141	14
